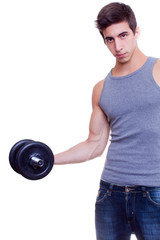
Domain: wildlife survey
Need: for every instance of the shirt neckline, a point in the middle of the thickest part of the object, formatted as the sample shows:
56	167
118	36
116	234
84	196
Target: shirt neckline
131	74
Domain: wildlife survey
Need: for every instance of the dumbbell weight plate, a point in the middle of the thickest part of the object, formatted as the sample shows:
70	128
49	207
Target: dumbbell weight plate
30	151
13	152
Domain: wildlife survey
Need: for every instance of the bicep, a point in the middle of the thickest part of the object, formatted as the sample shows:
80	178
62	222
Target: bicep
99	127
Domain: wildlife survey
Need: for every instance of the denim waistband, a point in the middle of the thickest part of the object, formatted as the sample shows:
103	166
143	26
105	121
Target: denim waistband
111	186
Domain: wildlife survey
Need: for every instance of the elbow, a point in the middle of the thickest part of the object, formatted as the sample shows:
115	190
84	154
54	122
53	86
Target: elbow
97	151
99	154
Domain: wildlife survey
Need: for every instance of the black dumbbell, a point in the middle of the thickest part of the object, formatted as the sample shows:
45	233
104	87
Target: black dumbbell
33	160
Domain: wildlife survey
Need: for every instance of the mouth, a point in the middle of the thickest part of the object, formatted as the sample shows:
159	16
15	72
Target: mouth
121	55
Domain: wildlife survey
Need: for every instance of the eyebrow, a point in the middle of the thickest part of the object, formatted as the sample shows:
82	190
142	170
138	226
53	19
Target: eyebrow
109	37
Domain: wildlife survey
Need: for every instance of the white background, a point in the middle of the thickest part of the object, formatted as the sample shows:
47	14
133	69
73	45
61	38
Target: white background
51	56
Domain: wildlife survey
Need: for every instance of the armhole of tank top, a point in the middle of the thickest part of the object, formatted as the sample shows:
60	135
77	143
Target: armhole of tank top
152	77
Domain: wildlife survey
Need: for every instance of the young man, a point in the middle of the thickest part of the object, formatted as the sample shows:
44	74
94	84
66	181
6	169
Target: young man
127	102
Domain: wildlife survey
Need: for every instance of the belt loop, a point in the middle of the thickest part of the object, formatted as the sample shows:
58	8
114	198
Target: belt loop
111	186
110	189
144	191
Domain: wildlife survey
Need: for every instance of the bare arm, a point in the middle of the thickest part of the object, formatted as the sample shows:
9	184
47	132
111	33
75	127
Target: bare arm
97	138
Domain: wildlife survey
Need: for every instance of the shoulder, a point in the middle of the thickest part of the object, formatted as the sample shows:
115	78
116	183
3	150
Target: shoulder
156	71
156	67
157	64
97	90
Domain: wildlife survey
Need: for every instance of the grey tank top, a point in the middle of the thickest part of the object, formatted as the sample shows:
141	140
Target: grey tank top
132	106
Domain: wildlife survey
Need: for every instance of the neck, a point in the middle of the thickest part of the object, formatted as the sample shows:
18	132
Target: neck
136	61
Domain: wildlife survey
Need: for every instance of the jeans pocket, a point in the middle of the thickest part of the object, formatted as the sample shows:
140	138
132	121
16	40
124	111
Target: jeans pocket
154	196
102	195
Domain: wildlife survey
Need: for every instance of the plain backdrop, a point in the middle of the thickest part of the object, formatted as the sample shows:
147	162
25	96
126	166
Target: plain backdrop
51	56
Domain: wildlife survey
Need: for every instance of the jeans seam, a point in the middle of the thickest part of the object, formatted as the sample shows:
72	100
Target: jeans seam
104	197
151	201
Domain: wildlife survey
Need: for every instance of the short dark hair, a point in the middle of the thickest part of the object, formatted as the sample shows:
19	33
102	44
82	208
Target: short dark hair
114	13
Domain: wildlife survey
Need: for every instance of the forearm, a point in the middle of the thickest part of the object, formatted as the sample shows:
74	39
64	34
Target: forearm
80	153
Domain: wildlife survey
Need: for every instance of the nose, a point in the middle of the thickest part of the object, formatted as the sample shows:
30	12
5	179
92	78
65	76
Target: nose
118	45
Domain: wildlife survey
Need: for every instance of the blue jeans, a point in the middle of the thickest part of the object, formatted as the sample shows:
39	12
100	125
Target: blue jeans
121	211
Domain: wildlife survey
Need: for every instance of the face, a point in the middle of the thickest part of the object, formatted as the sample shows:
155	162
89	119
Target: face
121	41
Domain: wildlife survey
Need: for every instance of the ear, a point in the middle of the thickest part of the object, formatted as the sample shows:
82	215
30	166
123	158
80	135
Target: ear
137	33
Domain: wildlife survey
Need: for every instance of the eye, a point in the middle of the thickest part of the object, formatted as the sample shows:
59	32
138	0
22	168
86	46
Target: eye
108	40
124	35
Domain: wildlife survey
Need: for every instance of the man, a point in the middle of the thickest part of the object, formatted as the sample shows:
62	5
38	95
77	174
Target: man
127	102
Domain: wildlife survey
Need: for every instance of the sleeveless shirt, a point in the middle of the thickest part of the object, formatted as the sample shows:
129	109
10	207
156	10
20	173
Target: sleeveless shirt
131	104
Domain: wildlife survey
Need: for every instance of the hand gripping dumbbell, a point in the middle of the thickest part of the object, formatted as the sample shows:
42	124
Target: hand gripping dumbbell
33	160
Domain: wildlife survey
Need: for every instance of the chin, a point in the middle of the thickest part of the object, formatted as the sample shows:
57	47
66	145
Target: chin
124	59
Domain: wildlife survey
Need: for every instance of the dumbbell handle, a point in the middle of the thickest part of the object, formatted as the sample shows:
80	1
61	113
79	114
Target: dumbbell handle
35	161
